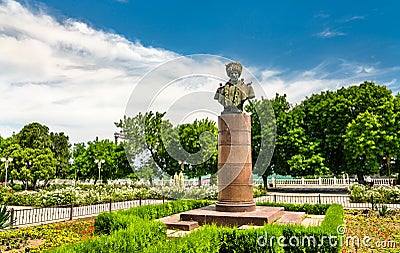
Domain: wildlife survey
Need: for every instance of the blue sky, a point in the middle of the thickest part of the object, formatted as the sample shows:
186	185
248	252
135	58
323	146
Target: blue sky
72	65
284	34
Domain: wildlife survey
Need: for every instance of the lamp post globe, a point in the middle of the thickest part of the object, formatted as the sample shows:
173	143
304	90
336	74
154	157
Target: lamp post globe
99	162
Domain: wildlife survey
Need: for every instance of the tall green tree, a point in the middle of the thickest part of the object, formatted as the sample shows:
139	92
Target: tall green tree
60	147
200	147
15	152
362	142
41	165
133	139
30	165
265	118
34	135
150	135
327	114
115	163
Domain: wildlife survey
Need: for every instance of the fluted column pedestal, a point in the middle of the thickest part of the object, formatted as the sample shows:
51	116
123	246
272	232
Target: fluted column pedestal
235	186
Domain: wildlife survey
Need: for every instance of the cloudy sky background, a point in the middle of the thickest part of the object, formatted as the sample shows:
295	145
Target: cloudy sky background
77	75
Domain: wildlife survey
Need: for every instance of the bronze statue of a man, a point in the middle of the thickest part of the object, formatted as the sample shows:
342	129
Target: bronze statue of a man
235	92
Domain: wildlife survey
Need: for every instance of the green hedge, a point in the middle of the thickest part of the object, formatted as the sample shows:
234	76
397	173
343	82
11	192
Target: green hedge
107	222
139	235
134	231
327	238
205	239
307	208
224	240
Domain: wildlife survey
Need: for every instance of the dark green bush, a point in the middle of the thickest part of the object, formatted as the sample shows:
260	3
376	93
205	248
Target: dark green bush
307	208
327	238
224	240
205	239
17	187
333	218
107	222
250	240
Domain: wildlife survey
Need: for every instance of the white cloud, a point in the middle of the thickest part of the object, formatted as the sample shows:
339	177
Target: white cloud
67	75
331	74
352	18
327	33
76	79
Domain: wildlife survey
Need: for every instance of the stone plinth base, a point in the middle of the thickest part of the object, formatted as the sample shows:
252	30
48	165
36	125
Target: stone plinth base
236	206
209	215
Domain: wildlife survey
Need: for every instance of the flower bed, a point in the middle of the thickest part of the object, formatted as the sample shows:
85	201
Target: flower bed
367	231
381	194
44	237
87	195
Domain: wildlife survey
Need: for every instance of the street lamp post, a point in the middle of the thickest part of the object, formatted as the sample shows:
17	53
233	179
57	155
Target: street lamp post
6	161
99	162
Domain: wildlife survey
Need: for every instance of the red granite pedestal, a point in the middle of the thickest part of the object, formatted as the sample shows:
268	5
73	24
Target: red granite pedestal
190	220
209	215
235	188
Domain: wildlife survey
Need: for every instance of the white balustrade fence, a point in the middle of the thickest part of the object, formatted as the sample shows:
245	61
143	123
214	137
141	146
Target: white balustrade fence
334	181
320	181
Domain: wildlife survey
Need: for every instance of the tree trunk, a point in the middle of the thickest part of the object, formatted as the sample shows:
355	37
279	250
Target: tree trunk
388	164
34	184
360	177
265	181
151	181
200	181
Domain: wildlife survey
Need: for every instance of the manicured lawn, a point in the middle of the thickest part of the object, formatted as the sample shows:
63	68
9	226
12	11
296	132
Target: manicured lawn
44	237
375	233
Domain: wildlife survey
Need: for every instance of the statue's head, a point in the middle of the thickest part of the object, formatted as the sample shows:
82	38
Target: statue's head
234	68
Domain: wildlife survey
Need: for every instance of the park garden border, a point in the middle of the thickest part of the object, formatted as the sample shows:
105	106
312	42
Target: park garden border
119	235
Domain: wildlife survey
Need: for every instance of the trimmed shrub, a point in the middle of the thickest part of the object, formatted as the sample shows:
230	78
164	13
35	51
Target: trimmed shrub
324	238
205	239
250	240
307	208
294	238
107	222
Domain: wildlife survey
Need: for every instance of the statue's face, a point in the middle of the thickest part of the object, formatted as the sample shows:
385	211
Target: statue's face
234	76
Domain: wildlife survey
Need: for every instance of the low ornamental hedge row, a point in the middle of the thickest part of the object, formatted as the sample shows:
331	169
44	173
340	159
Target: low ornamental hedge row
324	238
265	239
223	239
307	208
107	222
134	230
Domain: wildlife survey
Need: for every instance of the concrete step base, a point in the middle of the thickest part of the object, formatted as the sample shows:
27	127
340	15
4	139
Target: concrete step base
294	218
174	222
209	215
